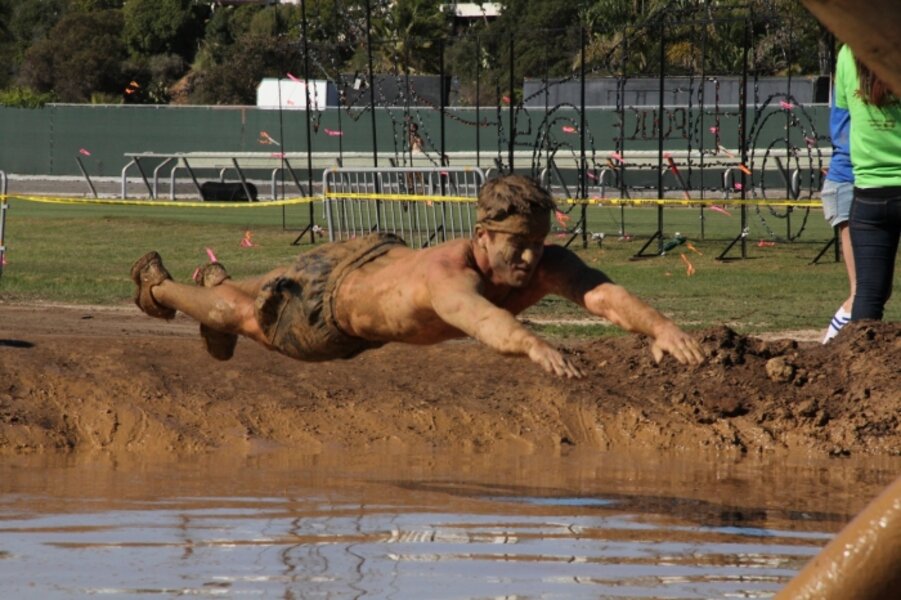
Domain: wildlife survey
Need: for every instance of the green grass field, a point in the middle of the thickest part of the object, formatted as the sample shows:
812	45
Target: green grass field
82	254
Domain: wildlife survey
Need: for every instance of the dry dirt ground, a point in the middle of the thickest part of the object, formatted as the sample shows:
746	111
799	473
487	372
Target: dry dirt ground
110	378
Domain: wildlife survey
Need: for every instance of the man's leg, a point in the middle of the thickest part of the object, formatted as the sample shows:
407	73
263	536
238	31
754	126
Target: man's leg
228	307
219	345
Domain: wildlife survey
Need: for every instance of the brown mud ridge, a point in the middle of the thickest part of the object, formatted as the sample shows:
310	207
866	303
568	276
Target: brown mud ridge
91	378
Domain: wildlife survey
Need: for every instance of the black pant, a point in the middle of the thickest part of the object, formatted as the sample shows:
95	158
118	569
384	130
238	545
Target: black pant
875	225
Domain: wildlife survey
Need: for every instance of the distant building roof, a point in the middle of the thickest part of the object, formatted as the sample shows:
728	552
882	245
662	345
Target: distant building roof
473	10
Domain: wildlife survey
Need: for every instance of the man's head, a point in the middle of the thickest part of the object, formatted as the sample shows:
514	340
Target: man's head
514	204
513	218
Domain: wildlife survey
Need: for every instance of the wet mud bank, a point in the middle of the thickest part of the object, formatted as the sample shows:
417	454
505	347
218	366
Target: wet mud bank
88	378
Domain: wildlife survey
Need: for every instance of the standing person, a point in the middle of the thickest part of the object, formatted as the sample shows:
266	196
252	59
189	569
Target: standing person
837	194
875	221
344	298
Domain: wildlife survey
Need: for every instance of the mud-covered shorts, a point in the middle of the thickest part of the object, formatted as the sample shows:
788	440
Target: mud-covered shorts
297	310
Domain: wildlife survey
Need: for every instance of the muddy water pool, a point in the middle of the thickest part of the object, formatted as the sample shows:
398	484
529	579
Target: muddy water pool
385	524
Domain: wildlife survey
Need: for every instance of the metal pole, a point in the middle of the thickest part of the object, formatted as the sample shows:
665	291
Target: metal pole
3	208
442	86
788	120
306	80
660	134
583	163
442	106
512	136
375	149
742	131
375	143
478	100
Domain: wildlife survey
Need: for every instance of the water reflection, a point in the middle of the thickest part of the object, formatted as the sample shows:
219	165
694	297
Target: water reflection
423	526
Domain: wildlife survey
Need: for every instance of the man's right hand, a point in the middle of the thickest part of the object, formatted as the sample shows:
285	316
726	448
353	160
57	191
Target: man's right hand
553	361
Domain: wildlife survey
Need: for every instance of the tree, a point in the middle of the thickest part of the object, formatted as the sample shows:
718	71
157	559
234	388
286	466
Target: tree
92	5
82	54
245	64
163	26
411	36
545	36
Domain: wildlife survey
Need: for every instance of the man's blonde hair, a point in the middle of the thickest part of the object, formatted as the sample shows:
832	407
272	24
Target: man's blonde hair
511	195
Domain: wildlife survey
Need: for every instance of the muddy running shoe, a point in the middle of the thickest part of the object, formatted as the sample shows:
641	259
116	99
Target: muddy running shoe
147	272
219	345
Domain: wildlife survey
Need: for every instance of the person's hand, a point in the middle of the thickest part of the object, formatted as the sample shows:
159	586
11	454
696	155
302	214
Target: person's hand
553	361
682	346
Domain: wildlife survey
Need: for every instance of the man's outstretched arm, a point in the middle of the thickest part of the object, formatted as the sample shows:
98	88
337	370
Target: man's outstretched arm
457	300
565	274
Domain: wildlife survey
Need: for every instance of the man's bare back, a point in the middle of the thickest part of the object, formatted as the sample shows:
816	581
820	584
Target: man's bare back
382	292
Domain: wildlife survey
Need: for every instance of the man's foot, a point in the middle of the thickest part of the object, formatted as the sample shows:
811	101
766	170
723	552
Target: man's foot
147	272
220	346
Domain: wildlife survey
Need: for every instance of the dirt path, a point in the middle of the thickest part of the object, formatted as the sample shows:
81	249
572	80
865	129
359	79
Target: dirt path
113	379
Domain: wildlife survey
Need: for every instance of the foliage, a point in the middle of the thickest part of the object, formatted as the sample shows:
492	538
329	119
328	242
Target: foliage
82	54
169	42
245	63
24	98
154	75
91	5
163	26
412	35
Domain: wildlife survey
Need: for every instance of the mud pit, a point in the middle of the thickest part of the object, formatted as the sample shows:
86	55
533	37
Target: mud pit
88	378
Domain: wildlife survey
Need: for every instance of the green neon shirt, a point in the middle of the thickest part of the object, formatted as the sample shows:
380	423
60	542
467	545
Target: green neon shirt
875	131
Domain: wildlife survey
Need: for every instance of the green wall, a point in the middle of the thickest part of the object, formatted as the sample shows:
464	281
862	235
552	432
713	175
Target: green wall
46	141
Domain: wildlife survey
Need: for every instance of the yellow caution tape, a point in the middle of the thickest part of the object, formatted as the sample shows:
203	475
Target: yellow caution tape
693	202
158	203
397	197
726	202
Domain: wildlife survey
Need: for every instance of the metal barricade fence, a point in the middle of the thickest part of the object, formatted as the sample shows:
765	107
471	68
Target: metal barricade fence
406	201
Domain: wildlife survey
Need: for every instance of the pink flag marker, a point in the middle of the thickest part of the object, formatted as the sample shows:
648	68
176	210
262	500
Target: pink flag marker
265	139
211	255
786	105
591	175
618	157
714	130
720	209
277	155
765	244
333	132
569	129
84	152
737	185
293	78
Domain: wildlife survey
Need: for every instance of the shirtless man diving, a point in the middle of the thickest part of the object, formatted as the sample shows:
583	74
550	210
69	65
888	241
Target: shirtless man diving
343	298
